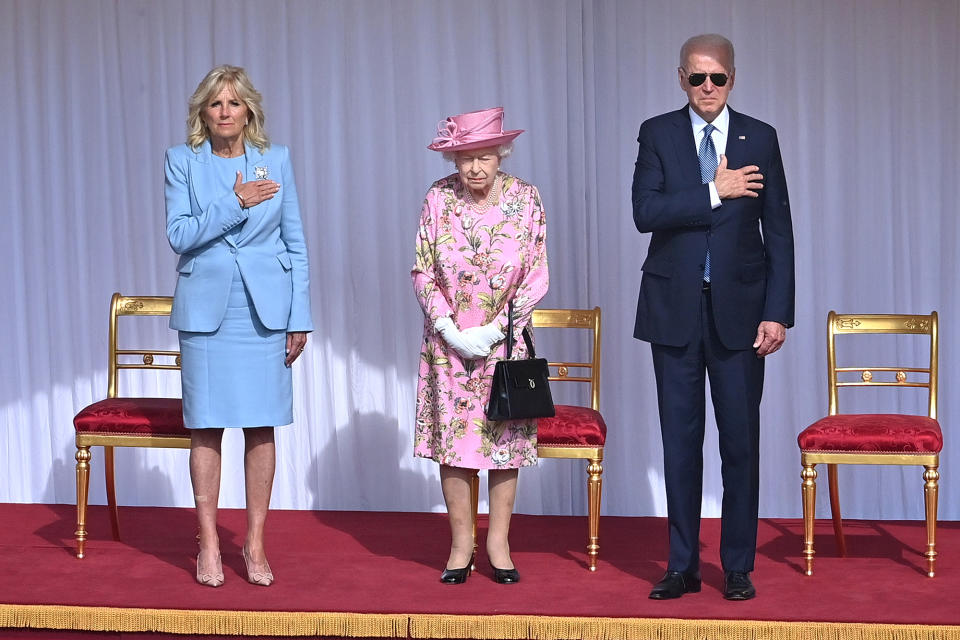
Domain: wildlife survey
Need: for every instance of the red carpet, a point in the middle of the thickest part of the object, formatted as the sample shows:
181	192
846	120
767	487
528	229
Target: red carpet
333	566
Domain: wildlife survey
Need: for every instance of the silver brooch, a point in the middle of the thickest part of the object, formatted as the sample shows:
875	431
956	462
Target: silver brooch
262	173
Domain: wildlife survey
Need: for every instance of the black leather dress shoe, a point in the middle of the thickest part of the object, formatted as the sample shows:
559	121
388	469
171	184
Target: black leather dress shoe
674	584
737	586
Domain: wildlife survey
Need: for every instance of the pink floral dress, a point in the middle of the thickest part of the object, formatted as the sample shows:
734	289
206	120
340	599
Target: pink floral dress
469	266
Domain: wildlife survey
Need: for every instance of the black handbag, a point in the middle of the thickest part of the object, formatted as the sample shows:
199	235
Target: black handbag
520	388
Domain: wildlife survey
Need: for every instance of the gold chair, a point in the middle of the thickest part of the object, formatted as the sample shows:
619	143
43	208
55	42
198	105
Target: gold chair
892	439
125	421
576	432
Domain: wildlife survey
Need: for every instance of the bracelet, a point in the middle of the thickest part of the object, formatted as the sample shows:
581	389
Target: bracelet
243	205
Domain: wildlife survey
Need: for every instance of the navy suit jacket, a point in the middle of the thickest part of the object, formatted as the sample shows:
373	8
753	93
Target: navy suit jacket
751	239
270	249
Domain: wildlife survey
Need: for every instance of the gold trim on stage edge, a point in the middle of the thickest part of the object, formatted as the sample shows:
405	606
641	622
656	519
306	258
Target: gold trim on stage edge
488	627
205	622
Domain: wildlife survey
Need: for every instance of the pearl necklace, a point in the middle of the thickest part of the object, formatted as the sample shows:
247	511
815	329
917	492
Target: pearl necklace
228	156
483	208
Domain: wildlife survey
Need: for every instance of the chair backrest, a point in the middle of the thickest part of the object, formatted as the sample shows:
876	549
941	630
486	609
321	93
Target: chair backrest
588	319
840	324
122	305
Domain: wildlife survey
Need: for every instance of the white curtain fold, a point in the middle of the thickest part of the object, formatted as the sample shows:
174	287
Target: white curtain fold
863	94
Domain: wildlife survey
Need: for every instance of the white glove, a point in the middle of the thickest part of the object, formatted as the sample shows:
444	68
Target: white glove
485	335
468	348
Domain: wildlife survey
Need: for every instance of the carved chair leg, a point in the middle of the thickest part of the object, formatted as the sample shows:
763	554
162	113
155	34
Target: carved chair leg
475	503
809	492
111	492
833	479
930	491
594	494
83	487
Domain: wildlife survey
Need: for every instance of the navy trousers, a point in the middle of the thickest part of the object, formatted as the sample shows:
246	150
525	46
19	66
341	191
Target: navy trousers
736	384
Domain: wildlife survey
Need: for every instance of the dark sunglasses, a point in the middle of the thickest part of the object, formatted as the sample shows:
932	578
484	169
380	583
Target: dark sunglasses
697	79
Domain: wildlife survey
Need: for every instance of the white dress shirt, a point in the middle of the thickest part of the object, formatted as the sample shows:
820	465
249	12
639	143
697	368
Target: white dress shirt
719	135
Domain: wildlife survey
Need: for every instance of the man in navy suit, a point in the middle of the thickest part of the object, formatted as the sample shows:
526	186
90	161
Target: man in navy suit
717	296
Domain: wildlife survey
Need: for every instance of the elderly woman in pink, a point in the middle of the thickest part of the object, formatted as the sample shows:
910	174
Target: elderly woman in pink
481	244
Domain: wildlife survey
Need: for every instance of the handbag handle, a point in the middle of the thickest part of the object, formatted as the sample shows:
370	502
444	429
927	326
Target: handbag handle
526	335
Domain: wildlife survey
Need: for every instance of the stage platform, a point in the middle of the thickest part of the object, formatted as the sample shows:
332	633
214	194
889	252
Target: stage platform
375	575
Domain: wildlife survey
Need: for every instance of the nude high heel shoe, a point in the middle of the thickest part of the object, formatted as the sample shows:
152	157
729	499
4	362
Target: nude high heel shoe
214	579
264	578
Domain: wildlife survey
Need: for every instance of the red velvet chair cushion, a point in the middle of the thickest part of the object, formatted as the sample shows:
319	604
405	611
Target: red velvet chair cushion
135	416
873	432
573	426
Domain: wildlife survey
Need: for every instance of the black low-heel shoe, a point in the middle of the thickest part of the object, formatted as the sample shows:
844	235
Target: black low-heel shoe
457	576
505	576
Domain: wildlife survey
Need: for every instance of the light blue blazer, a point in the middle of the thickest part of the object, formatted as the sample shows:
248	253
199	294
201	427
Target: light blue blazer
269	250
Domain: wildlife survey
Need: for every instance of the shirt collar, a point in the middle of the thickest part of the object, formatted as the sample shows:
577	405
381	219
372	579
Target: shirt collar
721	123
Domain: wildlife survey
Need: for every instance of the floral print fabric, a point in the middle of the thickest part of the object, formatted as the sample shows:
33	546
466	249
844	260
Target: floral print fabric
469	266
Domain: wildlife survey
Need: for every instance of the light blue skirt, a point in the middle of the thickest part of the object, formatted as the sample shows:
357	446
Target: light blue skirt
235	376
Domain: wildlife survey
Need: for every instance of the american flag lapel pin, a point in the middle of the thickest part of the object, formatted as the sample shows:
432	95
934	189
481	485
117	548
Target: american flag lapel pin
741	137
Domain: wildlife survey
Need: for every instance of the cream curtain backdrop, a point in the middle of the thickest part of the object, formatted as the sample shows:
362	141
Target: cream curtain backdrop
864	95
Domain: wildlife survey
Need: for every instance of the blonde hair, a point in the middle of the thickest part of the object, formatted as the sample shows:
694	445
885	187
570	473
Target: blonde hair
213	83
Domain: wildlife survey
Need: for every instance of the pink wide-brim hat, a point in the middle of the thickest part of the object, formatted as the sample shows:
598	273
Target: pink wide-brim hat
474	130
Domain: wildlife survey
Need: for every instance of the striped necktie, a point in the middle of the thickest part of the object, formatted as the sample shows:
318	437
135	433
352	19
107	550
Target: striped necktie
708	168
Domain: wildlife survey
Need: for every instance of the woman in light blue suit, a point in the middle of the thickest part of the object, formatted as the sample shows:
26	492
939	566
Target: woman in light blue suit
242	303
